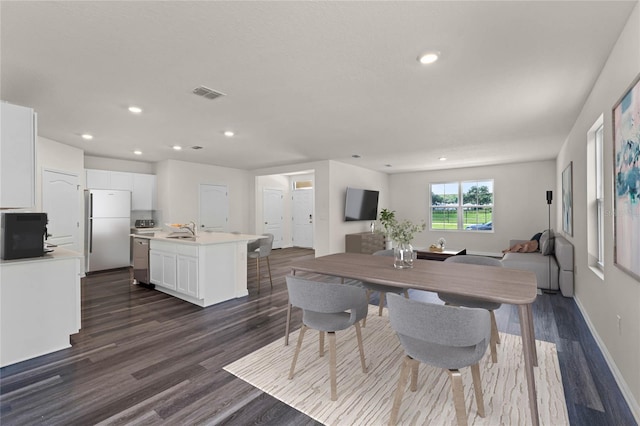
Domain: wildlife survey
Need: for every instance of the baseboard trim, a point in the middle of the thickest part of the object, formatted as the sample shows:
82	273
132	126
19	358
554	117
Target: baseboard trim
622	384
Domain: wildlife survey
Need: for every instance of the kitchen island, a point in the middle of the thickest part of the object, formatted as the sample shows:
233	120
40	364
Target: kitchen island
204	270
39	304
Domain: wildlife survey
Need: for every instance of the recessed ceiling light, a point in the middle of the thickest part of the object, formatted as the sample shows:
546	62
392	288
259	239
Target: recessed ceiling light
387	165
177	147
229	133
137	152
135	109
442	158
87	136
355	156
428	57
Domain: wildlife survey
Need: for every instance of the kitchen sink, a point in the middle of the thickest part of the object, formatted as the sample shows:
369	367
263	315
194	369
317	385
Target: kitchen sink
182	236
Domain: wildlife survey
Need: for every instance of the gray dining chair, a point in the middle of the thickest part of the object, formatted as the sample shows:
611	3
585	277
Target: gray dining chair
381	288
327	307
442	336
471	302
261	249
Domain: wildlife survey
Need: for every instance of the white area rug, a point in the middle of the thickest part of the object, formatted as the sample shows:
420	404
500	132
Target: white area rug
366	399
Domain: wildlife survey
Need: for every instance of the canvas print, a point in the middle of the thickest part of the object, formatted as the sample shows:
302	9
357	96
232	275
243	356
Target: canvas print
567	199
626	145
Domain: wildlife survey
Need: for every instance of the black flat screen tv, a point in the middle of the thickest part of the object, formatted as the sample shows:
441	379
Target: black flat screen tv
361	204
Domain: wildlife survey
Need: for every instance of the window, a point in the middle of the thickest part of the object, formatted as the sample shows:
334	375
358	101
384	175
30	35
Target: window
466	205
595	196
302	184
599	196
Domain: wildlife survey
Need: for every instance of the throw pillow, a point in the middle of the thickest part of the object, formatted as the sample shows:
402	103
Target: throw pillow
547	243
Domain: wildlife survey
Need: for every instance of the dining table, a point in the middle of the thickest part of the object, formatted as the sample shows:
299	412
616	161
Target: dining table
503	285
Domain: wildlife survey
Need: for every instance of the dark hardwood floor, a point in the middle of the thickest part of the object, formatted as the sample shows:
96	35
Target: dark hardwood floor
143	357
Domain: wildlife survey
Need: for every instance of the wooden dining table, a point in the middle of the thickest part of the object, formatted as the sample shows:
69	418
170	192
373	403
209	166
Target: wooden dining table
503	285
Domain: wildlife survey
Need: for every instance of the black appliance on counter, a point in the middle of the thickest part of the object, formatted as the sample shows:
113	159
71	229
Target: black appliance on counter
145	223
23	235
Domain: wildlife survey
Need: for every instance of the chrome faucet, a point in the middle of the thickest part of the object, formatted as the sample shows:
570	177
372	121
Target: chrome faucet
191	227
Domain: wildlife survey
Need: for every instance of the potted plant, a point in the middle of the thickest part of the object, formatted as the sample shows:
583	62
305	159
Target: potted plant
387	220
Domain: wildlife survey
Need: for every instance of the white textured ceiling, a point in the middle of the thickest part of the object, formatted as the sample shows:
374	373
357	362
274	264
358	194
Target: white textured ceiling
309	81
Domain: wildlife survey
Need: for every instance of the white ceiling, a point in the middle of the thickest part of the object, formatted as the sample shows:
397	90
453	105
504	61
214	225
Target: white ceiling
308	81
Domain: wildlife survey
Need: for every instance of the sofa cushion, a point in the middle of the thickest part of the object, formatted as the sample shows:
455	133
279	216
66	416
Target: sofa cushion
546	243
537	263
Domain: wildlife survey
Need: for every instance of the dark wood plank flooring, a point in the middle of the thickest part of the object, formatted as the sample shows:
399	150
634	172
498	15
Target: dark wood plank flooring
143	357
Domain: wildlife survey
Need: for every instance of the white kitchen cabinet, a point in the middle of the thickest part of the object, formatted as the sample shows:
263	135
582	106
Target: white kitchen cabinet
141	185
188	275
163	268
17	156
122	181
144	189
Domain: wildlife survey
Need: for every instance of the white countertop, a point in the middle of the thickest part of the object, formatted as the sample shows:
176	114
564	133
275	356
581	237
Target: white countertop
57	254
203	238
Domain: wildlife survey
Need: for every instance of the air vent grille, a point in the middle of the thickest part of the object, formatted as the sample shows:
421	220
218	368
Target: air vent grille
205	92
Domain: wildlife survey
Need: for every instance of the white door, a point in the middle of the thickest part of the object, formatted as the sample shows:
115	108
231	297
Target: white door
272	214
303	218
61	202
214	207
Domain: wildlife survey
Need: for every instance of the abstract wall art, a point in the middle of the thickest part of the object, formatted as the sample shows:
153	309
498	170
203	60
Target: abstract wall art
626	169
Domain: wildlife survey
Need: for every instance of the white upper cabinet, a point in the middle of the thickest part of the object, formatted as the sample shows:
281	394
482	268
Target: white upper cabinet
17	156
144	189
141	185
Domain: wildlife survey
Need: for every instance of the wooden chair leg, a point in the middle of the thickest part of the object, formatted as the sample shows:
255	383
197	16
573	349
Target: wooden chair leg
458	397
269	268
381	305
402	384
492	345
494	326
297	352
414	376
406	293
332	365
321	343
258	272
360	347
364	320
477	387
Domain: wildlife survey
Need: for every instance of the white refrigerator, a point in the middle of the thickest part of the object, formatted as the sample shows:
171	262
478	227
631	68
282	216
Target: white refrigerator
107	229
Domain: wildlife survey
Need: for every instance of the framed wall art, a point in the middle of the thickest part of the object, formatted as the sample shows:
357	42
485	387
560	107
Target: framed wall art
567	199
626	169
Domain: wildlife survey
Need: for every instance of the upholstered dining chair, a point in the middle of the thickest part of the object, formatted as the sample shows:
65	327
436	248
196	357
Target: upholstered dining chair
470	302
447	337
259	249
324	308
381	288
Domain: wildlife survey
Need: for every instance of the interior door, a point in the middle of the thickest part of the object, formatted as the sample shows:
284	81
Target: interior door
61	201
272	214
214	207
303	218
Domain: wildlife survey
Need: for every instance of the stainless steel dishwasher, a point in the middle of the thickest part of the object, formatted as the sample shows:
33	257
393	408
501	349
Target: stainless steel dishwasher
141	261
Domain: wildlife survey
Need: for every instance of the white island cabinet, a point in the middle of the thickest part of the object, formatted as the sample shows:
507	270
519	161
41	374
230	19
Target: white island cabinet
39	305
206	270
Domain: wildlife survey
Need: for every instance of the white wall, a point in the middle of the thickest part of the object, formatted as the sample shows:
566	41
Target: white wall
178	191
101	163
520	206
618	294
344	175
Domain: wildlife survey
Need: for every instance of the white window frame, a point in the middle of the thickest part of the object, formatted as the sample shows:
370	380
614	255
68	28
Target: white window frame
599	173
460	206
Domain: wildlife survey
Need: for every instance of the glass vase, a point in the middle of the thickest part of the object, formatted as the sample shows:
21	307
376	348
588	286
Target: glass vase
403	256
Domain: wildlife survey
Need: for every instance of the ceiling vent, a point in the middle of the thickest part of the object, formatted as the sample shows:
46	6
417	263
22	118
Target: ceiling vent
196	147
205	92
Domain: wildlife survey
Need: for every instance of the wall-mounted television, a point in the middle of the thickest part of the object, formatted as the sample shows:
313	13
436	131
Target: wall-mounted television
361	204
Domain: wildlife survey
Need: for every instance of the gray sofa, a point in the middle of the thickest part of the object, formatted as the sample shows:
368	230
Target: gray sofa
560	261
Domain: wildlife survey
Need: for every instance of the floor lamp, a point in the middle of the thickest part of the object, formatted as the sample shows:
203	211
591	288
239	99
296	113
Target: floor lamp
549	199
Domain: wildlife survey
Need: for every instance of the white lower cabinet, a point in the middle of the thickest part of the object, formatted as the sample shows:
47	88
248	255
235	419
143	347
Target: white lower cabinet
163	269
188	275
